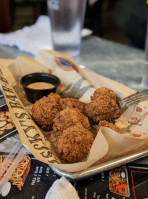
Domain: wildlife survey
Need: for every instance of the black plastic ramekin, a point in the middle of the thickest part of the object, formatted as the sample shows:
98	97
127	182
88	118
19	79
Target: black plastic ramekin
35	94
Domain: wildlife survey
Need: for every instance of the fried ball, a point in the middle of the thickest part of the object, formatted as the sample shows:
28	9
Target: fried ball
103	108
54	97
71	103
69	117
45	109
109	125
103	91
74	144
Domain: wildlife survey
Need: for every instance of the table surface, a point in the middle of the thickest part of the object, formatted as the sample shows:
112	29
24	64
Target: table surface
121	63
118	62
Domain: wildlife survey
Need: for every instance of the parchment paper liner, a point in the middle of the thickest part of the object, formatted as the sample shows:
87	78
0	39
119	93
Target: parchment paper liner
107	145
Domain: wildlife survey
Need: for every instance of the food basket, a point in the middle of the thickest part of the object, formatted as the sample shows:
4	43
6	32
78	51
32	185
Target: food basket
109	149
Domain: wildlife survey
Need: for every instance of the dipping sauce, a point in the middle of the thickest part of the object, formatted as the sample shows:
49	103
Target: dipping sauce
40	85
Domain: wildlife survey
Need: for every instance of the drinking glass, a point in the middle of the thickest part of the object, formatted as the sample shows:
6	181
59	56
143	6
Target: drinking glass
67	18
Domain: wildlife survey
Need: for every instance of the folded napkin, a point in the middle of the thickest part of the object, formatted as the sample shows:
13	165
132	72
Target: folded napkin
33	38
62	189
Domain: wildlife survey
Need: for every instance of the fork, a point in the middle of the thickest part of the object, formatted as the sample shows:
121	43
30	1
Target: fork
135	98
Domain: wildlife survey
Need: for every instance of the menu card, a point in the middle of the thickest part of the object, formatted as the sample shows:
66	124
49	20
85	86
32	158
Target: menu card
7	127
128	181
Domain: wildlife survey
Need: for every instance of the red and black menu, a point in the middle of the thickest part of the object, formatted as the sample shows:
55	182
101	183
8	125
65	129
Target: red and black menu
7	128
130	181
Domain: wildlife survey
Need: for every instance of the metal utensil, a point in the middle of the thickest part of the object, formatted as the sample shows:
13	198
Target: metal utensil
135	98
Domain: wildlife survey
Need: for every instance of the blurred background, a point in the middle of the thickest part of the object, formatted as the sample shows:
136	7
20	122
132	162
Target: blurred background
102	17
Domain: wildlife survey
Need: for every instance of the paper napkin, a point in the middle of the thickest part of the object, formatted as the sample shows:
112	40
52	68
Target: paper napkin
62	189
33	38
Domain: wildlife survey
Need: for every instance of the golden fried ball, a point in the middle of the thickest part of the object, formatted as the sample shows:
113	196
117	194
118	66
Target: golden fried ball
103	91
109	125
71	103
74	144
45	109
102	108
69	117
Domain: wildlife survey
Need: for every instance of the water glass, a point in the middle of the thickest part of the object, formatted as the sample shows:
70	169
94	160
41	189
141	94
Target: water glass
67	18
